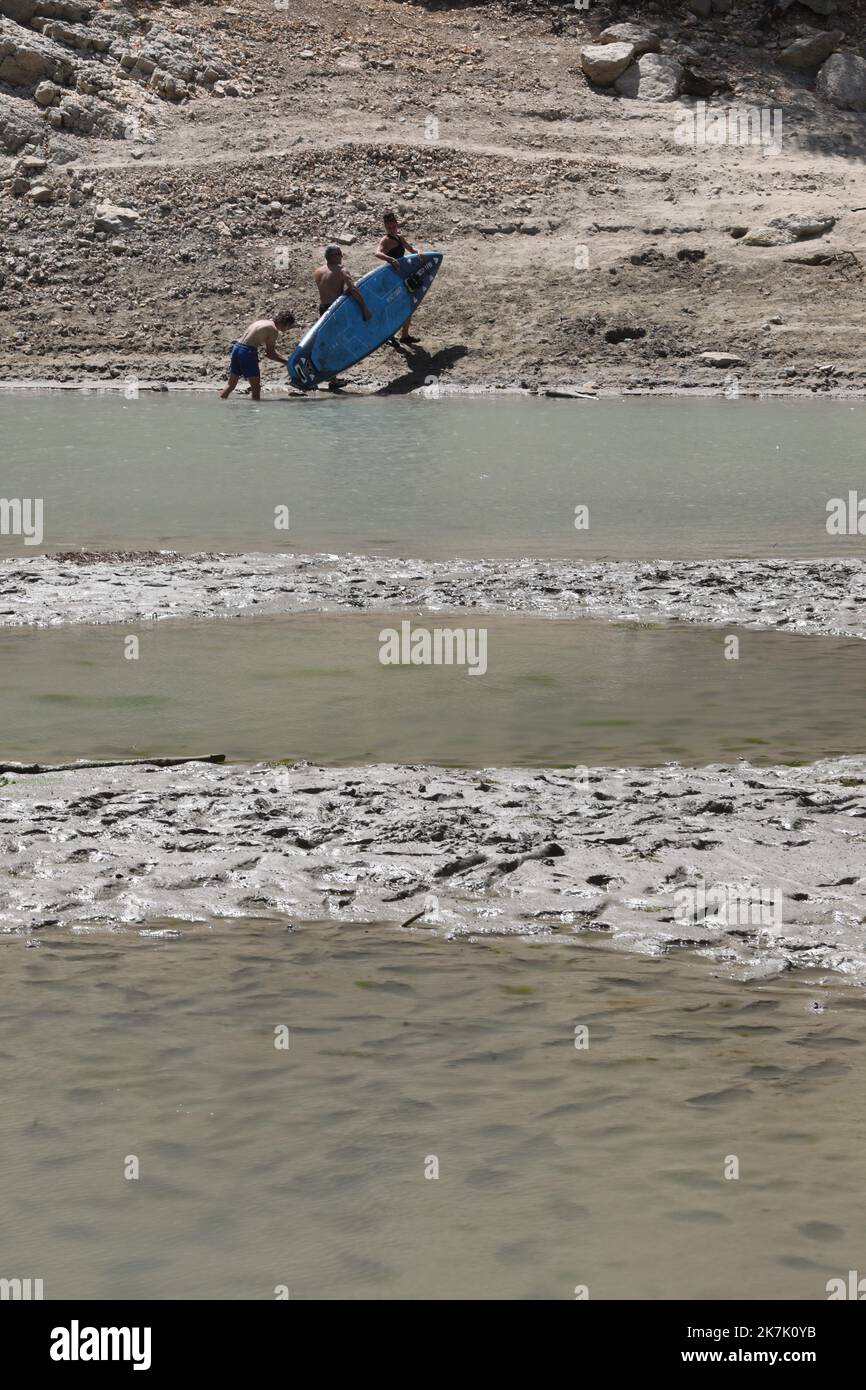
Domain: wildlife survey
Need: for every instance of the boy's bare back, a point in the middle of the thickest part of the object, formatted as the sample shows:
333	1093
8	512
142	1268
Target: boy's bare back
261	334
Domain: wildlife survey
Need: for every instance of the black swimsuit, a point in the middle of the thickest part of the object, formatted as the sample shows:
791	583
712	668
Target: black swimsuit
395	255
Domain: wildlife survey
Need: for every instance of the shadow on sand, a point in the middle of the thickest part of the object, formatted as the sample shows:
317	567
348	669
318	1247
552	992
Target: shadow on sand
421	365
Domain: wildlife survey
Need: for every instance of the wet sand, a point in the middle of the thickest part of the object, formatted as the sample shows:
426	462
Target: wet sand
819	597
548	854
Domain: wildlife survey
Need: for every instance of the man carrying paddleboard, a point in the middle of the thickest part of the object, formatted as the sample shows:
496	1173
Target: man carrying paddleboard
332	281
244	360
392	246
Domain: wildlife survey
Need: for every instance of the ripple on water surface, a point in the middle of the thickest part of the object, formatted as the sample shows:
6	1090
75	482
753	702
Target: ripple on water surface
558	1166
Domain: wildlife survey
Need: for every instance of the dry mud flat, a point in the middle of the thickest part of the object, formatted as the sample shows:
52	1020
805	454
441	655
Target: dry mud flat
553	854
815	597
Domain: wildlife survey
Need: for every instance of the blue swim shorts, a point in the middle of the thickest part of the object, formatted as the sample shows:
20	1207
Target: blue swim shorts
244	361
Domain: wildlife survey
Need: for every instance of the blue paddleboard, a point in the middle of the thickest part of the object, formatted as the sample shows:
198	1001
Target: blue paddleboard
342	337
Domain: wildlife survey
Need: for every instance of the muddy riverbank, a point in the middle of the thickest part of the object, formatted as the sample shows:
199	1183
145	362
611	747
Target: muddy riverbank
550	854
823	597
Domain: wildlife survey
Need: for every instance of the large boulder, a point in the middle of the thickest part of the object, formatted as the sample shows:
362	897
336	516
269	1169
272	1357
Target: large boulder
27	58
73	35
842	81
654	77
19	124
604	62
643	40
85	115
809	52
802	227
22	11
73	10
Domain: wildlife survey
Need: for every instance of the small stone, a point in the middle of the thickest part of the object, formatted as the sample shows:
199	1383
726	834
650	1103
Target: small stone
781	231
111	218
642	40
41	193
721	359
46	94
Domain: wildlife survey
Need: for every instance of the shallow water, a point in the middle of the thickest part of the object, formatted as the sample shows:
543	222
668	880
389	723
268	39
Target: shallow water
305	1167
444	478
312	686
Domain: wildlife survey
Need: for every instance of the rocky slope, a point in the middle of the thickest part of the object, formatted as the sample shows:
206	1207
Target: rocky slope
168	172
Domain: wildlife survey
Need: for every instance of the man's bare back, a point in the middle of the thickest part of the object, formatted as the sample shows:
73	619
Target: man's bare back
332	281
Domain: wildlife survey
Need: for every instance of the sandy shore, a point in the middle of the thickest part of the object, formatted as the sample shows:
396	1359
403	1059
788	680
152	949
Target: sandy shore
820	597
382	386
548	853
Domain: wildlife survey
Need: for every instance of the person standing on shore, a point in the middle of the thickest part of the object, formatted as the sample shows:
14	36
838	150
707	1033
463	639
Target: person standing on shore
391	248
244	359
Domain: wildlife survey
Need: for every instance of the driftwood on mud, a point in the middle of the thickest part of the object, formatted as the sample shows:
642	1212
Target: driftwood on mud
32	768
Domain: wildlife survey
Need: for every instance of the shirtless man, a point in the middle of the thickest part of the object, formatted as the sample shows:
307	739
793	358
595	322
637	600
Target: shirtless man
391	247
244	360
332	281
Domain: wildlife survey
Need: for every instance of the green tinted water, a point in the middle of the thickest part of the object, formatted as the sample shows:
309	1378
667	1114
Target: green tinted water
312	686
